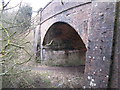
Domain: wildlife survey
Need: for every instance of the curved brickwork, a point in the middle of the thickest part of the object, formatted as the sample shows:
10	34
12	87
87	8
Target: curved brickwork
95	24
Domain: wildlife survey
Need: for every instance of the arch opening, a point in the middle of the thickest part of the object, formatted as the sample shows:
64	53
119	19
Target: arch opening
63	46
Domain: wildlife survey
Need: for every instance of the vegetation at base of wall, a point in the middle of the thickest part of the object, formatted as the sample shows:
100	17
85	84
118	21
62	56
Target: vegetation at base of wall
63	62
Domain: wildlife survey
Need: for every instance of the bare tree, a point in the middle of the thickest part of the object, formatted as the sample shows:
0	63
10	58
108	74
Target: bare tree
15	51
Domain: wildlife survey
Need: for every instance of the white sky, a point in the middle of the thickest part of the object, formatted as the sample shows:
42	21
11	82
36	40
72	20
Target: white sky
36	4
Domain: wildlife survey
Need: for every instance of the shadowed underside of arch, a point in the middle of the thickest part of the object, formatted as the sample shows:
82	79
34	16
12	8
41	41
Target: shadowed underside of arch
63	45
61	36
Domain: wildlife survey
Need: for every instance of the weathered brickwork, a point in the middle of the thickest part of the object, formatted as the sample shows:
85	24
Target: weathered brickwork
100	38
83	33
79	14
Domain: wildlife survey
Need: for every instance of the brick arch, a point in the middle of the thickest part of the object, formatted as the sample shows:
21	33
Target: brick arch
68	24
63	45
94	22
64	34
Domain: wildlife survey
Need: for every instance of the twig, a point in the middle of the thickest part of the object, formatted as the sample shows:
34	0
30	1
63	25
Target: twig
49	43
16	45
7	72
4	6
5	30
23	62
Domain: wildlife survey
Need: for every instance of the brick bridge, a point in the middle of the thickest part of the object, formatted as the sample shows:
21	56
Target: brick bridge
82	33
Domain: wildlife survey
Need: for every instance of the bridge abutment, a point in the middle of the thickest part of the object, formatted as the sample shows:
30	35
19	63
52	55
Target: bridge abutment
82	33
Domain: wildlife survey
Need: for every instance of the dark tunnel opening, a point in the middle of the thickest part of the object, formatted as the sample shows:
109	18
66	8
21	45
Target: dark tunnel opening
63	46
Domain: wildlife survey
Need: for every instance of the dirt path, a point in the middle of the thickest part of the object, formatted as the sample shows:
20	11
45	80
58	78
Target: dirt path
61	77
60	69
